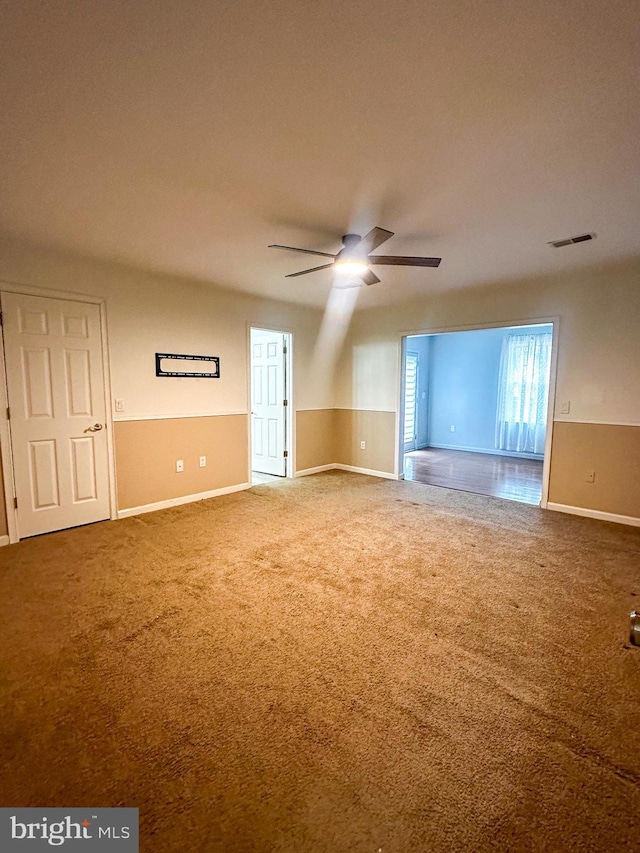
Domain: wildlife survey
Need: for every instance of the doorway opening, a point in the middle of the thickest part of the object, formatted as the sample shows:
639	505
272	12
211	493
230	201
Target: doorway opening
474	410
271	427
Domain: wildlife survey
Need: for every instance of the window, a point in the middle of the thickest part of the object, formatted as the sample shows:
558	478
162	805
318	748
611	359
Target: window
523	393
410	394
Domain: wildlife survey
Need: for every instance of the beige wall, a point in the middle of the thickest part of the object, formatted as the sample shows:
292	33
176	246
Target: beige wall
598	360
611	452
598	366
315	438
149	313
333	436
376	429
146	454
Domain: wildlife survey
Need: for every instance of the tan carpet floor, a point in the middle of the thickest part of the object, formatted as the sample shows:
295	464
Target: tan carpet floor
335	663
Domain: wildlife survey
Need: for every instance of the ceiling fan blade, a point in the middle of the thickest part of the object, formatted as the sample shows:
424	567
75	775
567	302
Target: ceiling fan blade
313	269
376	237
404	261
306	251
369	277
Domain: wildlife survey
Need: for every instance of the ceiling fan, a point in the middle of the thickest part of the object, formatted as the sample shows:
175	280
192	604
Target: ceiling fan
355	258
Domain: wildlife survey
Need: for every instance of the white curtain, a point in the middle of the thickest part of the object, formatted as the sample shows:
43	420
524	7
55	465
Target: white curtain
521	420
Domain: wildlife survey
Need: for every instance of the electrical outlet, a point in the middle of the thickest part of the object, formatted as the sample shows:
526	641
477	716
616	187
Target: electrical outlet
119	405
363	445
452	427
590	477
203	461
179	465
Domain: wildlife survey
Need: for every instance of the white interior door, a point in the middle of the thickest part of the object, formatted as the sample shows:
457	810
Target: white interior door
268	408
55	384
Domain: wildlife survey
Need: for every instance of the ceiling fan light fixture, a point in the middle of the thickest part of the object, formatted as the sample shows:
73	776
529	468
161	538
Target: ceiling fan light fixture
351	267
352	263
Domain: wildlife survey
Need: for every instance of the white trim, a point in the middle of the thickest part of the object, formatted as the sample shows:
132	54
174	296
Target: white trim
556	419
356	409
551	407
4	540
338	466
494	324
33	290
120	419
185	499
106	382
317	470
562	420
537	457
401	374
6	450
368	471
595	513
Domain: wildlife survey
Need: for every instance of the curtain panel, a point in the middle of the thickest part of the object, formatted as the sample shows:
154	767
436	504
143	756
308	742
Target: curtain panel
521	421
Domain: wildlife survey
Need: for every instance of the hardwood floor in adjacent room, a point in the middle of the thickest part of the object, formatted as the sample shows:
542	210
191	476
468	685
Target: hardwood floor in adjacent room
482	473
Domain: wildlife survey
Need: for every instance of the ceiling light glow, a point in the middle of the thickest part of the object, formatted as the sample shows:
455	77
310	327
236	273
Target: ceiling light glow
351	267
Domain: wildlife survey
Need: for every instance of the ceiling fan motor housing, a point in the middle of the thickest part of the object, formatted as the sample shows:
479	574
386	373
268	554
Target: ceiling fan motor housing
351	251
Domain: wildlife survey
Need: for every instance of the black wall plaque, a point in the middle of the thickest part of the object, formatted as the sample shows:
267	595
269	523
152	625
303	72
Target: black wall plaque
214	360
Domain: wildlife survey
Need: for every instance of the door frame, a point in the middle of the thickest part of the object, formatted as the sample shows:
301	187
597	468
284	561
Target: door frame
6	449
554	322
289	420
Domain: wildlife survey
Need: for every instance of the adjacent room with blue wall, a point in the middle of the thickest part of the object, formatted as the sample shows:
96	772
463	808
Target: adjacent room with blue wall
476	408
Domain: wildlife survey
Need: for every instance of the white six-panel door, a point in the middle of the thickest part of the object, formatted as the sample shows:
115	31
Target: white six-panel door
267	402
55	384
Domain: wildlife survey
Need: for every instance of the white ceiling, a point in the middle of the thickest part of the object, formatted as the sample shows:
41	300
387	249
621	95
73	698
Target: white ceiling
186	136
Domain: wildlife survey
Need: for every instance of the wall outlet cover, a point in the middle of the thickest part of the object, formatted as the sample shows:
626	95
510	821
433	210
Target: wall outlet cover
203	461
363	445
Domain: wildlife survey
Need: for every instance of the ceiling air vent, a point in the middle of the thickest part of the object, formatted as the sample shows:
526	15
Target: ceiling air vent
557	244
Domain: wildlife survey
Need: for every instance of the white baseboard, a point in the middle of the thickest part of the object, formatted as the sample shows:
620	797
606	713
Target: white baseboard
4	540
306	471
337	466
511	453
370	472
595	513
186	499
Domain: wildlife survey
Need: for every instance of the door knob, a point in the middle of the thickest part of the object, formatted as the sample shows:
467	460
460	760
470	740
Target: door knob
94	428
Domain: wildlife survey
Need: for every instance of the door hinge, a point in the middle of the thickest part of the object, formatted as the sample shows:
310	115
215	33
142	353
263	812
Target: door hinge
285	402
284	350
15	503
286	454
8	413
